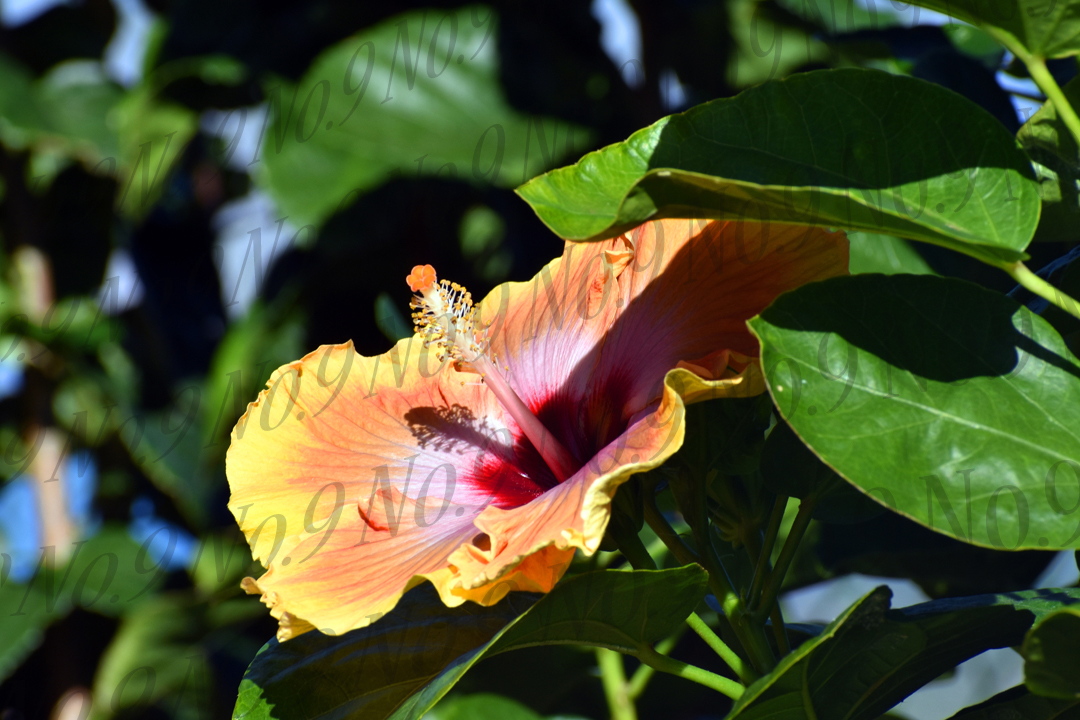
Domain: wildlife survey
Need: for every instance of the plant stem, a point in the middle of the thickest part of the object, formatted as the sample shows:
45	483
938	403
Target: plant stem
783	562
721	684
780	630
1040	287
744	671
752	639
616	689
641	677
763	560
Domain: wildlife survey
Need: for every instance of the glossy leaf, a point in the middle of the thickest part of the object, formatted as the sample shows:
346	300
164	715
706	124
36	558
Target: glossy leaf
1056	159
1052	655
1018	703
870	657
1046	28
964	415
856	149
417	94
401	665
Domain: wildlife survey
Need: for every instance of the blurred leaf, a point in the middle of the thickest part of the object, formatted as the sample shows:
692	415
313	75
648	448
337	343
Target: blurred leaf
842	16
1056	159
417	94
481	706
1046	28
870	657
1052	655
222	561
391	322
153	135
765	50
108	574
984	389
769	154
885	254
1018	703
400	666
155	659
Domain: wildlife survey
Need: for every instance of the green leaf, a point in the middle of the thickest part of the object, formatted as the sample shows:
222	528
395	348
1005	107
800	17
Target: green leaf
1047	28
1018	703
1052	655
1056	159
871	253
870	657
856	149
417	94
400	666
947	402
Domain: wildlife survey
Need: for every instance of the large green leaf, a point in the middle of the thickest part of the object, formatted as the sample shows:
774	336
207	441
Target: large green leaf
400	666
856	149
1016	703
1045	28
1056	159
417	94
870	657
1052	655
947	402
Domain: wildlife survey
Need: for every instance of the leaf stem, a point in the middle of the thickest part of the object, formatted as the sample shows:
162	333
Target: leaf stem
641	677
729	656
787	553
721	684
616	689
1020	272
1041	75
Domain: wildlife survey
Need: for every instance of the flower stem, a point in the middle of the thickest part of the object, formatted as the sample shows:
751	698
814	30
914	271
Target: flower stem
744	671
616	689
1040	287
721	684
787	553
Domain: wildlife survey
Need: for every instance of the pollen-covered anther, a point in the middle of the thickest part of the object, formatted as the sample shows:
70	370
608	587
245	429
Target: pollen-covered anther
445	317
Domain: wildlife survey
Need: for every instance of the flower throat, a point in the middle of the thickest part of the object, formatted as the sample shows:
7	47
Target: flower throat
443	314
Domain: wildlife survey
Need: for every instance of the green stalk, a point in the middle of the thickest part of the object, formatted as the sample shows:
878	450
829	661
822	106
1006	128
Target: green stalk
762	565
760	558
641	677
1021	274
721	684
616	689
751	638
783	562
744	671
1041	75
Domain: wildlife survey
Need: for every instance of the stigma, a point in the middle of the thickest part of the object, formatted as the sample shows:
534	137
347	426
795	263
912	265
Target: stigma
443	315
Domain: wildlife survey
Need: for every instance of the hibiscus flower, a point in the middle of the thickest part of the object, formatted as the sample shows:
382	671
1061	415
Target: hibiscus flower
481	452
